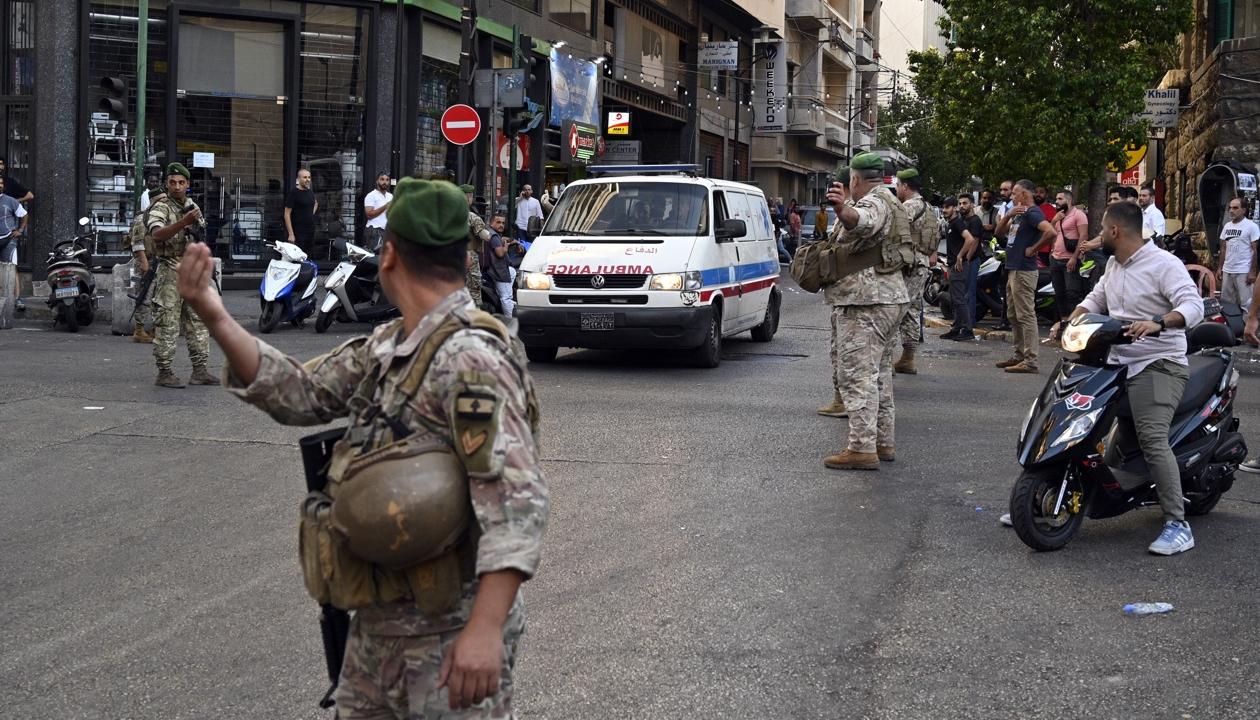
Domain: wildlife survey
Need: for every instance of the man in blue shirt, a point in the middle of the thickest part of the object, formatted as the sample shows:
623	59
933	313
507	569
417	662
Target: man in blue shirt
1032	232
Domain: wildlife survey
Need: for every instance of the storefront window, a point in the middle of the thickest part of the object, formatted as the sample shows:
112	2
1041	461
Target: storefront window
575	14
110	139
331	117
439	89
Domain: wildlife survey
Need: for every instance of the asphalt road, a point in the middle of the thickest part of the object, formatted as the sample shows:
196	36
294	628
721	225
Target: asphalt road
700	562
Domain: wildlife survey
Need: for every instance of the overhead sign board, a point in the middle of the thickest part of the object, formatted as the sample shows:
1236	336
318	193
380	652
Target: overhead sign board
1162	107
770	86
722	55
579	142
618	123
622	152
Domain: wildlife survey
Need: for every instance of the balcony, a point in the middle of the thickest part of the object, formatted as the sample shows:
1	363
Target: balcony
808	14
835	130
864	48
805	117
863	135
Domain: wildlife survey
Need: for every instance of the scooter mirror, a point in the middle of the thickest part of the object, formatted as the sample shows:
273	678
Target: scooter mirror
83	221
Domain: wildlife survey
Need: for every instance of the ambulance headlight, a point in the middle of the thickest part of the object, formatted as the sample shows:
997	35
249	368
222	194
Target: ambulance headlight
676	281
535	281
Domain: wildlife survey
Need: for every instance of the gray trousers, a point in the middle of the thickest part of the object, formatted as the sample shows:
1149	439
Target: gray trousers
1154	394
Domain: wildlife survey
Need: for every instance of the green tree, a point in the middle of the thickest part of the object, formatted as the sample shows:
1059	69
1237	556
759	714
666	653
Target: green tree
1048	90
907	123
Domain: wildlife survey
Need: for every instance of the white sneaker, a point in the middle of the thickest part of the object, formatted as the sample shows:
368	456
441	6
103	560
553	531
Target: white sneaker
1006	520
1176	538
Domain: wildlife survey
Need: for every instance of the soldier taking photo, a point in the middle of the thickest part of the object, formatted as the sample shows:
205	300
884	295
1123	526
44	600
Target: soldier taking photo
435	505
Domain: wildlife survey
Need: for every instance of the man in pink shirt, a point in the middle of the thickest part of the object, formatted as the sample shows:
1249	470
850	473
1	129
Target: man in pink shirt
1071	227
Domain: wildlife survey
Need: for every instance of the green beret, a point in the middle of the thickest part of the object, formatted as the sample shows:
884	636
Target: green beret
428	212
867	161
467	189
178	169
842	173
907	174
156	192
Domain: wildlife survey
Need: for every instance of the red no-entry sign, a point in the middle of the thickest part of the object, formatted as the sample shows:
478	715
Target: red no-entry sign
460	124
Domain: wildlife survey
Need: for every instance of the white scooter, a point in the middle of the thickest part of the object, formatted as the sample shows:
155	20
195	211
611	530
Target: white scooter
353	293
288	287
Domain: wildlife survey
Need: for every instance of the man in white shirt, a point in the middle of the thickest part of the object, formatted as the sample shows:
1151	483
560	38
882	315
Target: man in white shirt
1236	272
374	206
527	206
1152	218
1150	289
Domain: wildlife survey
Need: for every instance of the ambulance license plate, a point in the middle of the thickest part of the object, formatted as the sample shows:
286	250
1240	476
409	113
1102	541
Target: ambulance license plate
597	321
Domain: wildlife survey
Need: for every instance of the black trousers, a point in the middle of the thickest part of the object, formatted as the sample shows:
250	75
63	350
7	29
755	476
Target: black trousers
1069	287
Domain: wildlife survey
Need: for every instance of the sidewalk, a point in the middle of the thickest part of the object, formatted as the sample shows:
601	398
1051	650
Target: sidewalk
1247	357
243	304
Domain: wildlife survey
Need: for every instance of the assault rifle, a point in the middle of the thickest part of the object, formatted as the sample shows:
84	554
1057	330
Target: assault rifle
334	623
146	283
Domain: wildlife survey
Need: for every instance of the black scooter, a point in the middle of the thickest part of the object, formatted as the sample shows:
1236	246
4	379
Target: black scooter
1084	411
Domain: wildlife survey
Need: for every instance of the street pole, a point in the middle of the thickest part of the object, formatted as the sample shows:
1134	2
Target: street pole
511	140
467	48
849	122
142	82
735	150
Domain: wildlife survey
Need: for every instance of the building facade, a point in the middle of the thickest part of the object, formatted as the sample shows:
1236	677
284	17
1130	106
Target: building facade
246	92
1220	102
834	92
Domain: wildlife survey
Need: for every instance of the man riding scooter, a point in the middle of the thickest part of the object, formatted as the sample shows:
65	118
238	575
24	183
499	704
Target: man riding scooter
1150	289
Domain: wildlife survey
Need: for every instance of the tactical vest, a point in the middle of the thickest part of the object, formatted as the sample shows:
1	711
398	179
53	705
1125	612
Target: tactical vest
140	235
898	246
396	523
925	238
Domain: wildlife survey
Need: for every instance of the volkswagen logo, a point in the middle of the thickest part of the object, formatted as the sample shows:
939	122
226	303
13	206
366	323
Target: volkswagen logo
597	281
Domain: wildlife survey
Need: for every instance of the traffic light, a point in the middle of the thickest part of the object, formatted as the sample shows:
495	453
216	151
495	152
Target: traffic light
514	121
114	101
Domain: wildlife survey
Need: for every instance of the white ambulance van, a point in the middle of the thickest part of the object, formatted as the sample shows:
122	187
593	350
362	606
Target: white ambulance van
650	257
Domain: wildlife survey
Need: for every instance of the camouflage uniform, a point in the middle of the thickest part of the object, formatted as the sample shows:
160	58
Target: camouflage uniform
866	308
473	280
395	650
837	231
912	321
170	313
141	240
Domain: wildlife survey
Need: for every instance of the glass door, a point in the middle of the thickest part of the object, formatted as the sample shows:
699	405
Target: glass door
231	126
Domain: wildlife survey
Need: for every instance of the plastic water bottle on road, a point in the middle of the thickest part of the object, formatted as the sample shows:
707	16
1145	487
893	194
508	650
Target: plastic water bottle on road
1148	608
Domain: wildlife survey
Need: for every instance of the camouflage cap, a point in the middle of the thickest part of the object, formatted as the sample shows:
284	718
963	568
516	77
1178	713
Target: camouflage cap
867	161
907	174
428	212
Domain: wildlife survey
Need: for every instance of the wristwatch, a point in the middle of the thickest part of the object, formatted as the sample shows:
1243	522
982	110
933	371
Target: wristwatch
1159	320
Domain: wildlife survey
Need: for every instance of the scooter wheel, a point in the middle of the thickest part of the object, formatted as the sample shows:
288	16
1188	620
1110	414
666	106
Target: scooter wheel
1033	501
323	321
270	317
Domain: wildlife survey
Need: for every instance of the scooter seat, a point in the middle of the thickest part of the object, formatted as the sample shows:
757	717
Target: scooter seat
1205	375
305	275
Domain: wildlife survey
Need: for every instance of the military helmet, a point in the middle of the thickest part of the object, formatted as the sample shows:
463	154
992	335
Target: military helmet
403	504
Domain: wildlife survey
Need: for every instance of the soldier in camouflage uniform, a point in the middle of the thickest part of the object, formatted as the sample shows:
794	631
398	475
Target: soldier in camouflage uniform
836	407
402	660
477	235
866	309
169	222
908	192
142	253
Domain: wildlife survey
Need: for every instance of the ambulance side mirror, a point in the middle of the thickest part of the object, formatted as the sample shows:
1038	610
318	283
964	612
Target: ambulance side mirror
535	228
731	229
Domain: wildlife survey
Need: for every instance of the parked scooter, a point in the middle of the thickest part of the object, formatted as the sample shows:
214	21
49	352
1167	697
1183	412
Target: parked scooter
353	293
71	285
1084	408
1225	313
287	291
